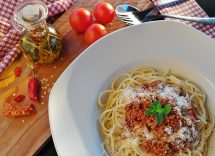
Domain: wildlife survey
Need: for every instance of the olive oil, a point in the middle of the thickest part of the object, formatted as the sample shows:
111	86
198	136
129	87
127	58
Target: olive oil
40	42
42	49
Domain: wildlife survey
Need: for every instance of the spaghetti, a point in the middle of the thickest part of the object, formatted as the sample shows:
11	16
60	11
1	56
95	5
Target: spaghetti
127	129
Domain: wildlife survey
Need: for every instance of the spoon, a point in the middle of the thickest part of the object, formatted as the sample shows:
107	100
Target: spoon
124	8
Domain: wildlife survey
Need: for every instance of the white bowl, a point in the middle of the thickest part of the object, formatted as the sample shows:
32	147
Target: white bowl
73	111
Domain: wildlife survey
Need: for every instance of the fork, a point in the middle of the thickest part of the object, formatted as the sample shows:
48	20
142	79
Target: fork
133	17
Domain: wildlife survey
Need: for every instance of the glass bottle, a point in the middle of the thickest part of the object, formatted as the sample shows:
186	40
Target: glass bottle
40	42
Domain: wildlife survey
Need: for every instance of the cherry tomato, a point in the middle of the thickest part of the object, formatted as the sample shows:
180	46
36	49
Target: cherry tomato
104	13
94	32
80	19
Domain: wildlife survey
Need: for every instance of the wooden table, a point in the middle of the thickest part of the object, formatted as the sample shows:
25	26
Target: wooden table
25	135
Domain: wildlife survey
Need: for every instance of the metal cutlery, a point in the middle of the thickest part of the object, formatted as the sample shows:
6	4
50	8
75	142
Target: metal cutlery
132	15
205	20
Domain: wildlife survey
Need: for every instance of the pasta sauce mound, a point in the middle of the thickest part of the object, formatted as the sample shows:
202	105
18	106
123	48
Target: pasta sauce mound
175	132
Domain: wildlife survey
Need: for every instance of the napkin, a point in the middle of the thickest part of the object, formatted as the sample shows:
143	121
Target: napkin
188	8
9	37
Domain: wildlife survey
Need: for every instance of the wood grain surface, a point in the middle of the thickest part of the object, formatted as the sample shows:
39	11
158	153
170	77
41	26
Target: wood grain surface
25	135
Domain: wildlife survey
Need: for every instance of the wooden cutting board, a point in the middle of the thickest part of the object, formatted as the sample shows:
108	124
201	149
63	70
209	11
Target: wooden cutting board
25	135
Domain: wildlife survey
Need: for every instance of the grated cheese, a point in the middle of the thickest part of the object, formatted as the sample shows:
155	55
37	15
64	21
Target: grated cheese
134	141
181	101
177	109
189	121
143	94
194	131
126	134
180	123
183	134
165	91
148	135
160	86
129	94
168	129
172	94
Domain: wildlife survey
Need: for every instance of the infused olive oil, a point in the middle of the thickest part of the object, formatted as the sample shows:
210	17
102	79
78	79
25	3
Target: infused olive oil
42	49
40	42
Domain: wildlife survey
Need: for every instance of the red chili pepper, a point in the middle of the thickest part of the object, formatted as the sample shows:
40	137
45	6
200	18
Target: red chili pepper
19	98
17	71
33	89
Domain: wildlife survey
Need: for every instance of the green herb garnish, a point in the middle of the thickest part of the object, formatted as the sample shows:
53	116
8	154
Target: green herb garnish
158	111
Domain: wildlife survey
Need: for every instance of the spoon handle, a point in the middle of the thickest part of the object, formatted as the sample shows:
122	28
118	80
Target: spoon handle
160	5
205	20
167	2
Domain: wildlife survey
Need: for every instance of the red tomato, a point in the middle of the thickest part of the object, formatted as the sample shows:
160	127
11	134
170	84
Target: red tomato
80	19
104	13
94	32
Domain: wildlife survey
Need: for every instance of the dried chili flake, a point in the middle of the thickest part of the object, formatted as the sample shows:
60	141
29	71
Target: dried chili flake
19	98
17	110
17	71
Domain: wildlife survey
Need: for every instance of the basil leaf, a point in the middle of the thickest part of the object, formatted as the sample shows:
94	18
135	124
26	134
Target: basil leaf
156	102
167	109
152	107
150	112
158	111
159	118
159	108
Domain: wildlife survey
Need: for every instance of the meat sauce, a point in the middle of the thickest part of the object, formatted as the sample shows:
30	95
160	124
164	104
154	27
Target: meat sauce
178	131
